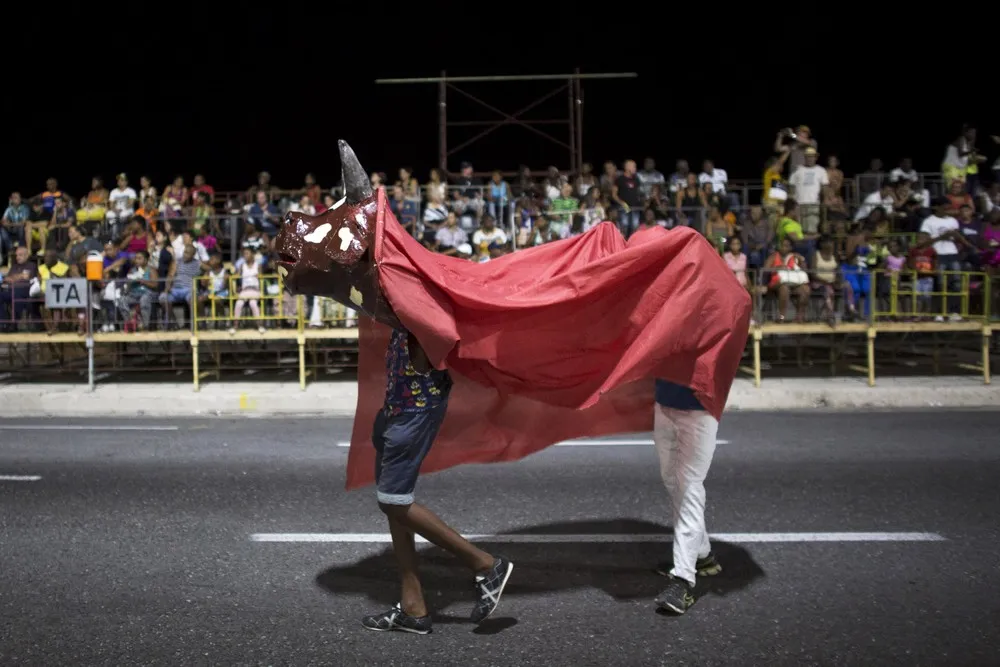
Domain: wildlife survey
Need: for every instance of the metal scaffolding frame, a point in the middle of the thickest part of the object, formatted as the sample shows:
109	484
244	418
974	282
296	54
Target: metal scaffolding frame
573	118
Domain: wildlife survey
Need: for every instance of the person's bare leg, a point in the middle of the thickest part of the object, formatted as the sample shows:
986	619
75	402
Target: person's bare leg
412	595
425	523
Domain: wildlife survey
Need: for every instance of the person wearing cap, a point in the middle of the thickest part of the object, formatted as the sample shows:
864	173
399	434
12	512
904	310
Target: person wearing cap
808	184
122	204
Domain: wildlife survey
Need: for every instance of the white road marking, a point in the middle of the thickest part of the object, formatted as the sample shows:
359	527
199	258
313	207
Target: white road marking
20	478
84	427
592	443
744	538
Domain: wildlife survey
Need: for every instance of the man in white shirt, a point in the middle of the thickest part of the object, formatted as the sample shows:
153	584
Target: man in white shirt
905	171
944	232
649	177
121	203
808	183
881	197
717	177
488	241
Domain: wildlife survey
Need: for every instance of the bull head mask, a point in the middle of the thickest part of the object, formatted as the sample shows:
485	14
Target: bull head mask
332	254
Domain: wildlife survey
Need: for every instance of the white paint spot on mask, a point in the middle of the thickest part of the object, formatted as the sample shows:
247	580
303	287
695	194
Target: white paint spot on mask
356	297
339	204
362	221
345	238
319	233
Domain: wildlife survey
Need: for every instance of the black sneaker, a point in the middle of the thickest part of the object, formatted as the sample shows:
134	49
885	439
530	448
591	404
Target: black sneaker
703	567
397	619
489	588
676	597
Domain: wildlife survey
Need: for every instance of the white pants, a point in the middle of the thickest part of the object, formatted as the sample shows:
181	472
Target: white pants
685	443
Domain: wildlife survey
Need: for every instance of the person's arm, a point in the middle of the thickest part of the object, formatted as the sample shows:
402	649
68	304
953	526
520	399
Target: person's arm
153	280
171	275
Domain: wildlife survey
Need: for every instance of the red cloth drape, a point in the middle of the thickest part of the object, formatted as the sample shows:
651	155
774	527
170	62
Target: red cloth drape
554	342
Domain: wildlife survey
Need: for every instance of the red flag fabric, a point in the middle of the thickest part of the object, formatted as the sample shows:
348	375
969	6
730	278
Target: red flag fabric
559	341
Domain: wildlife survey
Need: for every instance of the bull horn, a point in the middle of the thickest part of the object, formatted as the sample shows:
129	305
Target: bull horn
357	187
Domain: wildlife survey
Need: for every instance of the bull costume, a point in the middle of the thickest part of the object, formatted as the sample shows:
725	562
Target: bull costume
555	342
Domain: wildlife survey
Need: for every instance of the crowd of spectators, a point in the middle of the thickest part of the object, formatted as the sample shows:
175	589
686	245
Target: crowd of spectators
804	233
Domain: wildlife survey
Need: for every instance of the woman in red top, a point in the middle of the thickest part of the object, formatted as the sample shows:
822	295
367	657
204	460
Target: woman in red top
958	197
788	275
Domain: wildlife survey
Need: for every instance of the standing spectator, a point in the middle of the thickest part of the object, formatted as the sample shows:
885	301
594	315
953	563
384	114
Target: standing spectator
436	186
250	294
775	188
175	198
649	177
179	287
961	161
808	183
586	180
871	181
468	198
411	188
628	196
12	226
758	233
271	193
796	141
50	195
498	196
943	231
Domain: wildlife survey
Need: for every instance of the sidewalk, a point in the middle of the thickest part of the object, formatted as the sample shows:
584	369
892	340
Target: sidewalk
338	398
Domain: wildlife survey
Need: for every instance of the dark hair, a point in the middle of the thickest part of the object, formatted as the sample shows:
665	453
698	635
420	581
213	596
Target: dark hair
790	205
143	253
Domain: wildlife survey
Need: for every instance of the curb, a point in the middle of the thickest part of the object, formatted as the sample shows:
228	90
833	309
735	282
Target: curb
338	399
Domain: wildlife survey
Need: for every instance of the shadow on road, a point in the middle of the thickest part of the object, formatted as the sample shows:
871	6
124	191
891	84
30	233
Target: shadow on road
623	570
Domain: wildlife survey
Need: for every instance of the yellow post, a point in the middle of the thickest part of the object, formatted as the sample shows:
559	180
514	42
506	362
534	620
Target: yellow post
194	361
871	356
987	332
757	335
302	362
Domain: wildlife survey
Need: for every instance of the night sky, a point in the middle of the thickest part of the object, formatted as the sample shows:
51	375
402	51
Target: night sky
178	89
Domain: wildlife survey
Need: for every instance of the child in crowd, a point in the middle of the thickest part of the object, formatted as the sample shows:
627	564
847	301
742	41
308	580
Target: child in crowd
923	260
249	270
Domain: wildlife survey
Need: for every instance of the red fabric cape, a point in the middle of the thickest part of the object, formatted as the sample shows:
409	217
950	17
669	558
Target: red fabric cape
555	342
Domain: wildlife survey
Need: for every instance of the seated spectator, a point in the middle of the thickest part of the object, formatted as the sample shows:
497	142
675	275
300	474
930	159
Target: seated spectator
737	261
202	237
36	229
991	243
12	226
489	241
16	302
202	214
717	228
139	290
135	239
436	187
175	199
147	191
94	207
690	203
881	198
542	232
923	261
263	215
79	246
217	294
434	217
757	235
312	190
609	179
658	204
649	176
958	197
828	279
627	195
51	194
788	226
202	188
121	204
179	285
553	184
411	188
679	179
303	205
562	210
150	213
451	239
788	276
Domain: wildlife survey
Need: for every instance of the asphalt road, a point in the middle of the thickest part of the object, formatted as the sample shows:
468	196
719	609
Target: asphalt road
134	548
